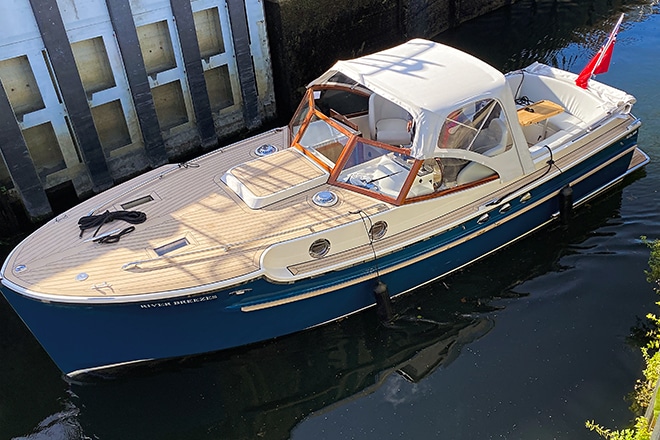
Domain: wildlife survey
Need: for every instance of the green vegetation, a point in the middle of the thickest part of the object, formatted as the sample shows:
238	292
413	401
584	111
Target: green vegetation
638	432
645	388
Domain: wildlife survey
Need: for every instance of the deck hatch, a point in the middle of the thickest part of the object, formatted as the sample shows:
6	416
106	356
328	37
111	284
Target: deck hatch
137	202
170	247
265	150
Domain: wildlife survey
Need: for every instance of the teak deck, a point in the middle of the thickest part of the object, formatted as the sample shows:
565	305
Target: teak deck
226	238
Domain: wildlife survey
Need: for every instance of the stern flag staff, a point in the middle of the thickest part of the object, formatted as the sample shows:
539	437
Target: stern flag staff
601	62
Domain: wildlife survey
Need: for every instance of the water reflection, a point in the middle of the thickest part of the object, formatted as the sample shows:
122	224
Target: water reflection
264	391
62	425
563	34
30	384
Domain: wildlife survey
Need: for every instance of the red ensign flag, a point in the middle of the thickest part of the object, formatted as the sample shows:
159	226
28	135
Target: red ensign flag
601	62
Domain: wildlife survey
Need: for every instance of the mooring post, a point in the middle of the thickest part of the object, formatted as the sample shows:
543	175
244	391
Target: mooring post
14	151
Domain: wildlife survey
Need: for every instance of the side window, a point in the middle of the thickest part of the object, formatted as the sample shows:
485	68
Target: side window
343	102
439	175
479	126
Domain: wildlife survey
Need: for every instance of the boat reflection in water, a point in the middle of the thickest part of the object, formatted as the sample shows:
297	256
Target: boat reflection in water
264	391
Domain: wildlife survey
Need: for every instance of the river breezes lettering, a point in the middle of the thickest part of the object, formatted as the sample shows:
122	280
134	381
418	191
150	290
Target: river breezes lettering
179	302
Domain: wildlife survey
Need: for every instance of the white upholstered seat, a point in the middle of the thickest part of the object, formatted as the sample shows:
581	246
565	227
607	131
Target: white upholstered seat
388	123
490	142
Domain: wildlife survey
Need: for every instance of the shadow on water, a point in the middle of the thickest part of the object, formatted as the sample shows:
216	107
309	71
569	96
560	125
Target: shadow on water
264	391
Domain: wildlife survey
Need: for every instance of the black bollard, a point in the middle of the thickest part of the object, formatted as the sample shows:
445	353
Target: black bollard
383	302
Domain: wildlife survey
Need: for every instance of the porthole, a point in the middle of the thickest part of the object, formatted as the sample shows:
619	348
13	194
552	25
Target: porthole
378	230
319	248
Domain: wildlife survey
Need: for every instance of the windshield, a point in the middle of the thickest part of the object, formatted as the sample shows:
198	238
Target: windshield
362	139
372	168
322	124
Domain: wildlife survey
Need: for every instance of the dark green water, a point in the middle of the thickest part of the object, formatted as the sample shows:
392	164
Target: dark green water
527	344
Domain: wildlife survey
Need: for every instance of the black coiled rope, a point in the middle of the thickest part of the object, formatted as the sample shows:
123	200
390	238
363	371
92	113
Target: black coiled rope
96	221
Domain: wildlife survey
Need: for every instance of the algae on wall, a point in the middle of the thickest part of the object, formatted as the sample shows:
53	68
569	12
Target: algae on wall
308	36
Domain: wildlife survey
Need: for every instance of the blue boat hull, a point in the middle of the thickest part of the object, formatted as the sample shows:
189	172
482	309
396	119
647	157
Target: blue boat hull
81	337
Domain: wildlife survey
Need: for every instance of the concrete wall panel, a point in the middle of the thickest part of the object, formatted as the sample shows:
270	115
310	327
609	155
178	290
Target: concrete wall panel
93	78
93	65
20	86
41	142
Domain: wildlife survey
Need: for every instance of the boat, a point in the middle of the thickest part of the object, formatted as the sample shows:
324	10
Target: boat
397	168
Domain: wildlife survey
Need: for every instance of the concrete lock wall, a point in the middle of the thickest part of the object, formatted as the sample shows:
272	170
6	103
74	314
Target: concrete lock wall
94	91
308	36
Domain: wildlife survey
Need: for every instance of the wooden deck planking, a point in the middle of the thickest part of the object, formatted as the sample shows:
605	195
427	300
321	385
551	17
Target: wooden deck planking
283	169
201	210
637	159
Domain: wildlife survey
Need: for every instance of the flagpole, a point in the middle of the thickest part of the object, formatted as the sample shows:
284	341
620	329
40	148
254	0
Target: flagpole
610	40
595	63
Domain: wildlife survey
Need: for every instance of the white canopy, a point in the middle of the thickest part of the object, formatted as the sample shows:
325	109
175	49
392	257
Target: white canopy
427	79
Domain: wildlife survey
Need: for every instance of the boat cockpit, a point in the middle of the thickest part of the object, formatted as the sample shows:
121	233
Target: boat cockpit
364	142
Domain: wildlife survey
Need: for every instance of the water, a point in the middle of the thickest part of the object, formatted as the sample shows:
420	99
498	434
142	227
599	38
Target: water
527	344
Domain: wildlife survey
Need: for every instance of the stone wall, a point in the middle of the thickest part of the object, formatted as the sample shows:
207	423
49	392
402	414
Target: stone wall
308	36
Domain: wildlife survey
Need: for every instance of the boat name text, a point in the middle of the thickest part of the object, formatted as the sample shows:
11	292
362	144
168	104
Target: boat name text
179	302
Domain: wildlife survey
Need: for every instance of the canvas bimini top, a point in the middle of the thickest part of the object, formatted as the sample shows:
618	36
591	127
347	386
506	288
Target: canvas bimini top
425	78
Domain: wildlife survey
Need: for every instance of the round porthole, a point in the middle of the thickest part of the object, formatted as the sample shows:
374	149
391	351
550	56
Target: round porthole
378	230
265	150
319	248
325	198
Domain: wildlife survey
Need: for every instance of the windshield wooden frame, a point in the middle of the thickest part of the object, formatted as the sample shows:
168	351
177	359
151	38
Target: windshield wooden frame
346	154
308	102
